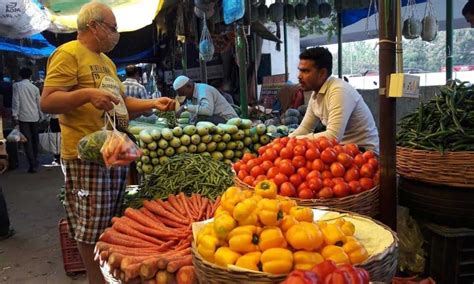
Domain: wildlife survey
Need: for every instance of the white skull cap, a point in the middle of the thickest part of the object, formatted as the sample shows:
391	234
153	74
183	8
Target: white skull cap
179	82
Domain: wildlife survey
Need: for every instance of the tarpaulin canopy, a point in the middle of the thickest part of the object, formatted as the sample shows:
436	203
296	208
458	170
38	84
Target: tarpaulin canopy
21	19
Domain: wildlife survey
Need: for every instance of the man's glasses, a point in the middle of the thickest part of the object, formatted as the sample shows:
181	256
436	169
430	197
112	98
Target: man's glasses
112	28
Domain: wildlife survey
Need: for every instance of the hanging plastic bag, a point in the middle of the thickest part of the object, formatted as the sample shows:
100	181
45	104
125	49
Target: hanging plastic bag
118	149
429	23
411	258
206	46
89	146
233	10
16	136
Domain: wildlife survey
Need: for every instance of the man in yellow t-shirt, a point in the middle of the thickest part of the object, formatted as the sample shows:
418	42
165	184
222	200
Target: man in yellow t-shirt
81	85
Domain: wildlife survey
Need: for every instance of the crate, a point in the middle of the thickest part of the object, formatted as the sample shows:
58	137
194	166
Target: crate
450	253
71	258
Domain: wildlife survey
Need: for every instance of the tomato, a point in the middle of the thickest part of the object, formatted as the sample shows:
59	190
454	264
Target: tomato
313	174
309	165
326	174
359	160
339	149
277	147
303	172
296	180
327	182
368	155
244	167
237	166
338	179
254	162
287	189
355	187
256	171
247	157
337	169
374	162
306	194
272	172
325	193
315	184
286	153
302	186
367	170
341	189
287	168
345	160
266	165
284	140
277	161
318	165
366	183
280	178
351	174
270	154
299	150
352	149
324	143
249	180
329	156
377	178
242	174
299	162
260	178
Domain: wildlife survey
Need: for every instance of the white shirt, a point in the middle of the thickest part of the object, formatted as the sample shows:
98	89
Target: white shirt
210	102
135	89
344	113
25	102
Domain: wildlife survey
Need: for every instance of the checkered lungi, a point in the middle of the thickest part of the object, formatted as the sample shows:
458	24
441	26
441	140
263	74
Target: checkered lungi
94	194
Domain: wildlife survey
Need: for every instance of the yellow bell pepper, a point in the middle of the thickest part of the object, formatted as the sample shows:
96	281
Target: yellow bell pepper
287	222
355	250
277	261
304	236
335	253
271	237
333	235
245	212
266	189
207	247
223	224
220	210
347	227
208	229
224	256
269	212
231	197
305	260
244	239
248	193
250	261
286	204
302	214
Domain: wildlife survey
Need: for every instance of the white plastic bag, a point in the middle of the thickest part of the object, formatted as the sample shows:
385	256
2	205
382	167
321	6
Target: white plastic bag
50	142
16	136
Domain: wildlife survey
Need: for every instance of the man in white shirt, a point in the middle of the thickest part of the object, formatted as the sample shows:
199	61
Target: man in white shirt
207	102
333	102
26	112
132	87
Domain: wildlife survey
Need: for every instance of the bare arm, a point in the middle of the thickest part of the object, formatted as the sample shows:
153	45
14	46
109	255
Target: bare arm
135	105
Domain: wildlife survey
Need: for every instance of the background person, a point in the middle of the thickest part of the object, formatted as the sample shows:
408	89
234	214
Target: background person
468	12
81	85
132	87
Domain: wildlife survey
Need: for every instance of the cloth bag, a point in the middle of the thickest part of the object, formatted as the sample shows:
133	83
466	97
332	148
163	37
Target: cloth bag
50	142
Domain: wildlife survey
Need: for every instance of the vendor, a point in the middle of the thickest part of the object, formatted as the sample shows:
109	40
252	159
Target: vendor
333	102
207	103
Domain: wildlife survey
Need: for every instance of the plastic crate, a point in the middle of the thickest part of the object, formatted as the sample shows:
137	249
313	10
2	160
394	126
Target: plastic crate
71	258
450	253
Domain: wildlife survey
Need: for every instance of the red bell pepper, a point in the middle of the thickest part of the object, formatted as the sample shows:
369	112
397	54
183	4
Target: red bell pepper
324	268
302	277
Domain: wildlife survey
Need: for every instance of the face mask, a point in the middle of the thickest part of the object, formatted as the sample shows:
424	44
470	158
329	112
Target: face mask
110	43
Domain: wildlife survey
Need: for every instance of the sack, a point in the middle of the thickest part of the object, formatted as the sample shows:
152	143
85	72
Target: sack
16	136
50	142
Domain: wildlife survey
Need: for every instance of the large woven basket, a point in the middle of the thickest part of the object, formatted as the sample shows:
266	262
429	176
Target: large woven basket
381	267
364	203
449	168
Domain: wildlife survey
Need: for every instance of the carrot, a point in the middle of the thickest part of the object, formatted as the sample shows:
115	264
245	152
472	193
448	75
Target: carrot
215	205
115	258
173	224
174	265
192	208
127	228
202	210
159	210
140	218
166	206
116	273
162	263
186	275
151	215
208	211
113	237
130	271
164	277
149	268
176	205
183	199
160	233
149	281
103	256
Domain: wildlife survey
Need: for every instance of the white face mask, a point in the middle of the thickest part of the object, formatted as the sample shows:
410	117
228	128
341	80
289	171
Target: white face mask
109	44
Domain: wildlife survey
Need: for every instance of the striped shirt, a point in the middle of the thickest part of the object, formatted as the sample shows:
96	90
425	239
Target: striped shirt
135	89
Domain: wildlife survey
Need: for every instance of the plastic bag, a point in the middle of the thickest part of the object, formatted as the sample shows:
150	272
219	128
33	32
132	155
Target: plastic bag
90	145
233	10
119	150
206	46
16	136
411	258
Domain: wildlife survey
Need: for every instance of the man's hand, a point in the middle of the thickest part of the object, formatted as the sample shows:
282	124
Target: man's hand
102	99
307	136
180	111
165	104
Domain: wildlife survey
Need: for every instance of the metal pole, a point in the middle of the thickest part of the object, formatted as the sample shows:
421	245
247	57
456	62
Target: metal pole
449	39
387	106
339	44
255	66
285	46
241	44
202	63
184	59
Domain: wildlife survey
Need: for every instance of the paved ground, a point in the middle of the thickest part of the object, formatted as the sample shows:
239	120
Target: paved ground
33	255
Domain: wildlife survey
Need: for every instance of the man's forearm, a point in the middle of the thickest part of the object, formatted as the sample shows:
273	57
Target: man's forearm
135	105
64	101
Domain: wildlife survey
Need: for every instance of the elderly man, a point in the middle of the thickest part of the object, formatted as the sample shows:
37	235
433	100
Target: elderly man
468	12
207	102
81	85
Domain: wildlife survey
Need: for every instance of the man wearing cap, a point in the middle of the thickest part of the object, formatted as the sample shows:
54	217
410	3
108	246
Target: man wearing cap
207	102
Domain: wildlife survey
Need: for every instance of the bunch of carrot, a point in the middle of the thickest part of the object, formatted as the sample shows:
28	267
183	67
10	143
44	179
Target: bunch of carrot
153	243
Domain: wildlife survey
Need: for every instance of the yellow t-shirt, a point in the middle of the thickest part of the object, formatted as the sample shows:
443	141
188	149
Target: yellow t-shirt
73	65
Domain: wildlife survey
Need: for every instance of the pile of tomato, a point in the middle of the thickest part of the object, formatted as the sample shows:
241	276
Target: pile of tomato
316	168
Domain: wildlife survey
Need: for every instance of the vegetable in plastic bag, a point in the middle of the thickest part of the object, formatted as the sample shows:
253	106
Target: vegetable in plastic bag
119	150
89	147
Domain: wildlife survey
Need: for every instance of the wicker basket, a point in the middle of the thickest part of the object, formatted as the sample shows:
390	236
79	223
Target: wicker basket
364	203
450	168
381	267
